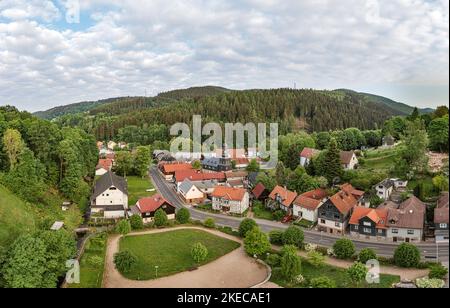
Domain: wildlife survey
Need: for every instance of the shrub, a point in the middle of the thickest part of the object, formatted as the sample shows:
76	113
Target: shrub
366	254
199	252
293	236
124	261
183	215
256	242
357	272
95	261
322	250
427	283
316	258
299	279
322	283
273	260
160	218
310	247
344	248
288	249
278	215
290	266
246	225
437	271
210	223
123	227
407	255
136	222
276	237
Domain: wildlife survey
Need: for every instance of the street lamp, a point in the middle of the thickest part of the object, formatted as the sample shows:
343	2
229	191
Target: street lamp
156	270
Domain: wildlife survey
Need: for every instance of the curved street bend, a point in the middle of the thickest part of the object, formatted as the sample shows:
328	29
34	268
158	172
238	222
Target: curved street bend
429	251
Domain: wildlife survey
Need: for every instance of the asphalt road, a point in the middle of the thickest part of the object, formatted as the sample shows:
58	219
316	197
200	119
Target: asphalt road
168	191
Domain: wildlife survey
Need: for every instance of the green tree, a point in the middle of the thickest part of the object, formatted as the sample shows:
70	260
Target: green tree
13	145
276	237
246	225
357	272
414	115
322	283
124	261
199	252
440	112
123	227
209	223
136	222
160	218
440	182
366	254
253	166
197	165
291	266
438	134
256	242
437	271
316	258
183	215
407	255
124	163
344	248
267	180
293	236
281	174
332	168
142	160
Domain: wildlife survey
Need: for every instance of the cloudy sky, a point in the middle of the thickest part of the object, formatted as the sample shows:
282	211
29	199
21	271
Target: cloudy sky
51	53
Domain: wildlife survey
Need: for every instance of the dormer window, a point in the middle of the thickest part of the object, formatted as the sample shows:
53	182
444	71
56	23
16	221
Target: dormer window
112	188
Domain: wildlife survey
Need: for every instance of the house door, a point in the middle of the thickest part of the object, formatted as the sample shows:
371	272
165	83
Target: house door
407	240
395	239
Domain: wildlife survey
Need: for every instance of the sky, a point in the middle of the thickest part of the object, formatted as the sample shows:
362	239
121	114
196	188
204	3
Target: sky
64	51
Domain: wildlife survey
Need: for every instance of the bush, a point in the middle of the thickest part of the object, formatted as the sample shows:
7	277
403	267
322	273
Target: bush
366	254
136	222
407	255
322	283
291	266
124	261
278	215
246	225
123	227
288	249
273	260
316	258
357	272
256	242
276	237
210	223
183	215
438	271
293	236
322	250
95	261
344	249
160	218
199	252
427	283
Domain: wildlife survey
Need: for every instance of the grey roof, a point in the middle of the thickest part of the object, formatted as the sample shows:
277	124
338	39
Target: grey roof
205	184
252	177
185	186
108	180
388	183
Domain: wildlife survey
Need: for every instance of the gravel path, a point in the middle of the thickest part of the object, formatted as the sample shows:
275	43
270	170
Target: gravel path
234	270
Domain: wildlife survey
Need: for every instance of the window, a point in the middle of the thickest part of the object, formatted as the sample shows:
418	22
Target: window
367	230
394	231
367	224
337	224
356	227
380	231
443	226
322	221
410	232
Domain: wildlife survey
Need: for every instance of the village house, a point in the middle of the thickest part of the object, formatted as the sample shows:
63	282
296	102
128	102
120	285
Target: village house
230	200
195	176
110	197
334	214
252	179
169	169
306	206
103	166
206	187
281	198
147	207
260	192
369	223
388	141
241	163
217	164
191	193
306	155
405	222
385	188
441	213
349	160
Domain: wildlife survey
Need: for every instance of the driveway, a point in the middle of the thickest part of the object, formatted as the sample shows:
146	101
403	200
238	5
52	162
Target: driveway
234	270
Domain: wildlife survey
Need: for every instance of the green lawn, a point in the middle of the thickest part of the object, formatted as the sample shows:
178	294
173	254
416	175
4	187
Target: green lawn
381	160
171	251
16	217
91	275
338	275
137	187
261	212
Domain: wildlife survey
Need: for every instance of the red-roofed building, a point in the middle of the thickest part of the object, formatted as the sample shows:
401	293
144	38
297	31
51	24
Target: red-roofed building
349	160
306	206
369	223
194	175
260	192
103	166
281	198
146	208
230	200
306	155
169	169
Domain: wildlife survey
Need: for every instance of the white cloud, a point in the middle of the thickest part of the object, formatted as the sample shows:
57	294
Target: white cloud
159	45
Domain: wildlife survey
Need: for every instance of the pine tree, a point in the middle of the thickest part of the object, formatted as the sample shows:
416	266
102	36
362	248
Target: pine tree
332	162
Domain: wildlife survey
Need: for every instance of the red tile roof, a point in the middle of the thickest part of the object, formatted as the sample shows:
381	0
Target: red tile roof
229	193
378	216
258	190
344	202
351	190
194	175
311	200
171	168
287	196
309	153
151	204
105	164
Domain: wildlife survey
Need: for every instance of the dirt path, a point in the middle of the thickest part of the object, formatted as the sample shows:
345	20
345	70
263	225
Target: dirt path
234	270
